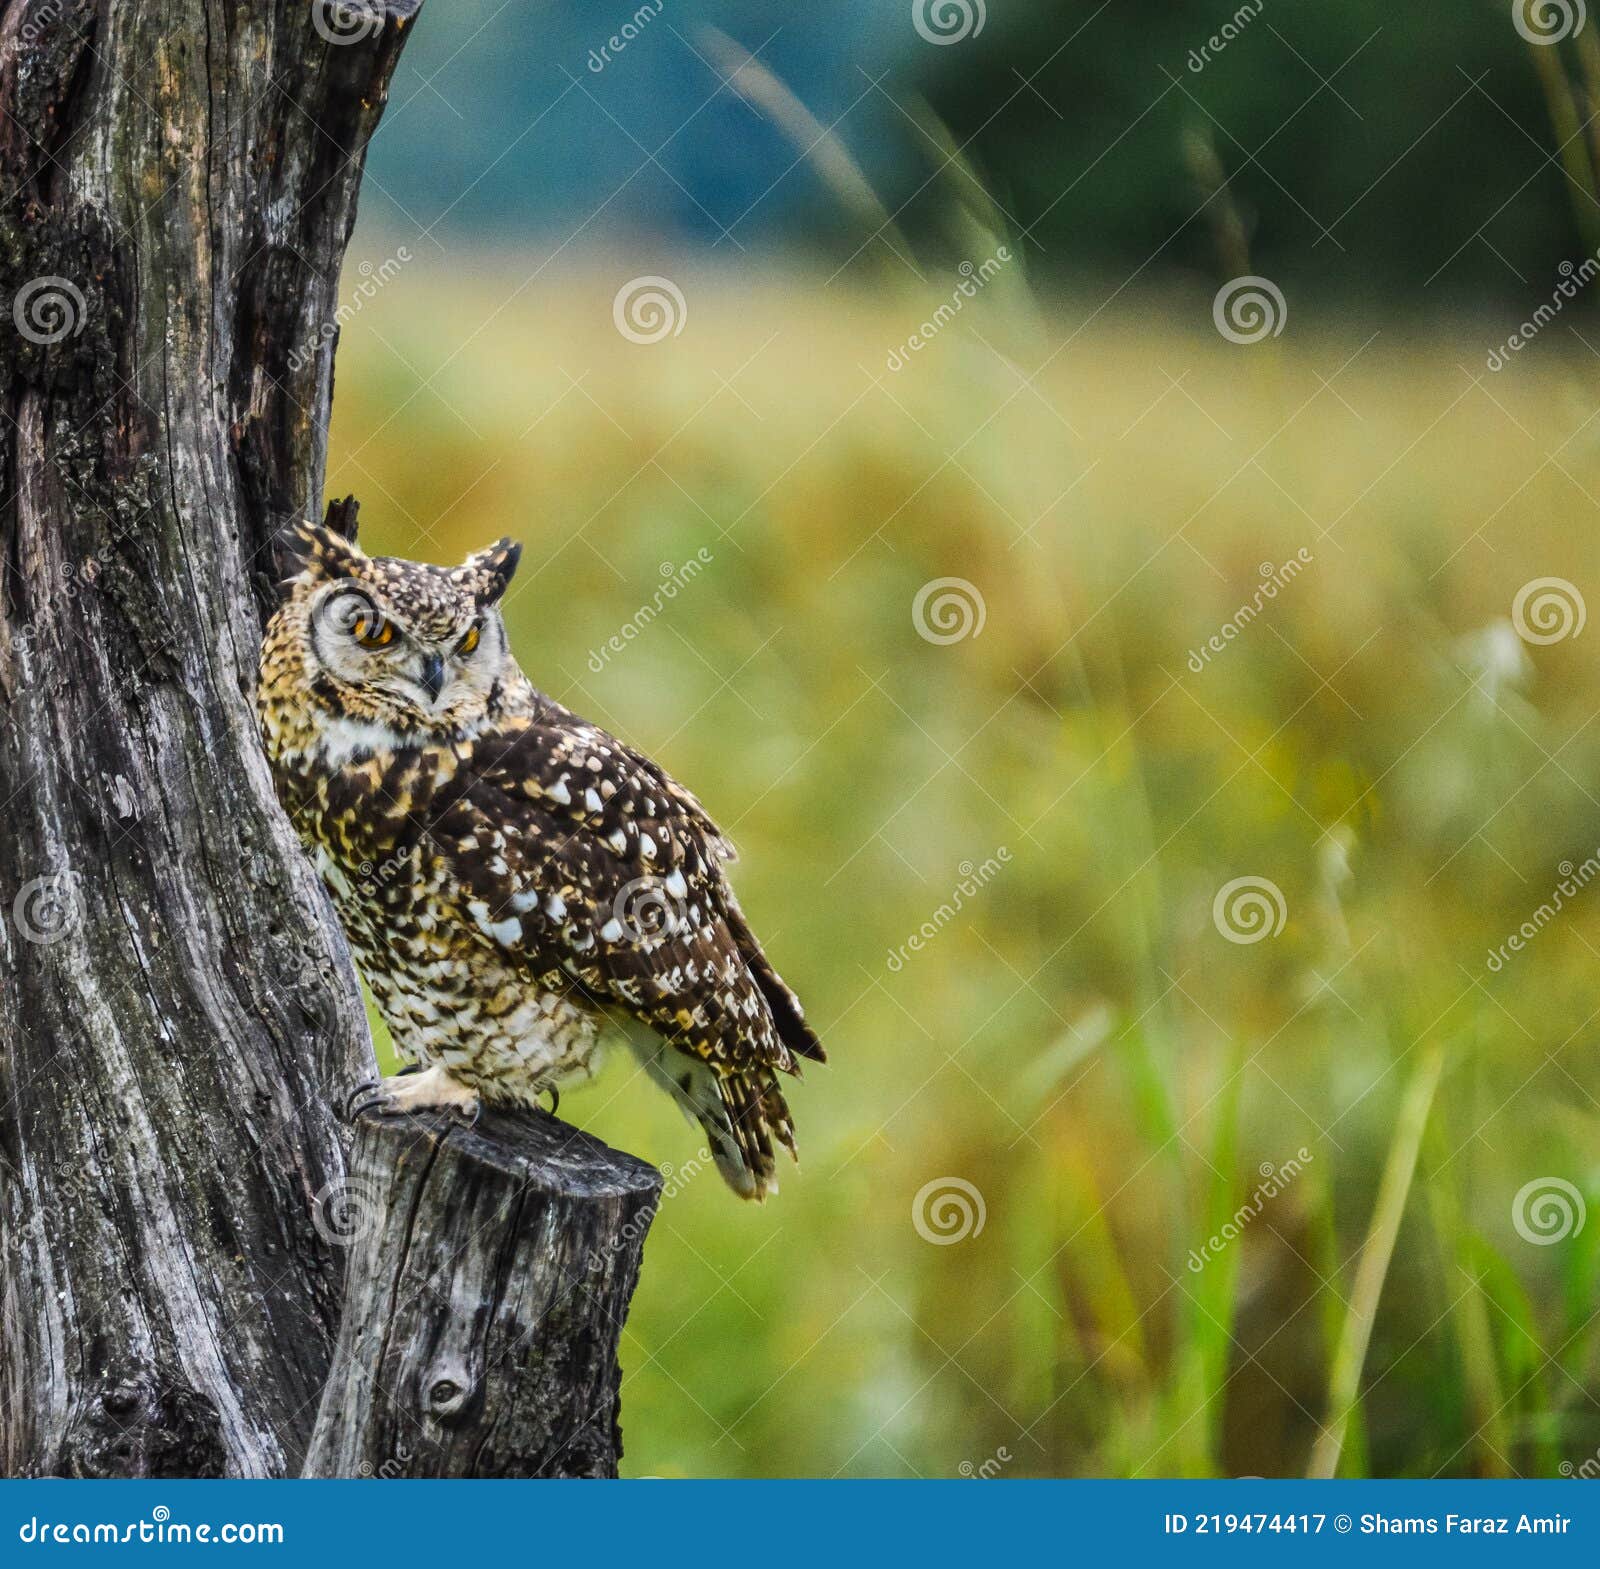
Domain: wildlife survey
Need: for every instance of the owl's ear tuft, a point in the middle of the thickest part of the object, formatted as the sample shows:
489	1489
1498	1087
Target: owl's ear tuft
314	553
487	573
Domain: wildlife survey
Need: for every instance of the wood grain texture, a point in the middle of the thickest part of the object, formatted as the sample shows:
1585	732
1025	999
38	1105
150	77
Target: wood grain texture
177	1015
490	1271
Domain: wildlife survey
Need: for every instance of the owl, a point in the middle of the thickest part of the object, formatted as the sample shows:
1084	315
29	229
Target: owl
518	886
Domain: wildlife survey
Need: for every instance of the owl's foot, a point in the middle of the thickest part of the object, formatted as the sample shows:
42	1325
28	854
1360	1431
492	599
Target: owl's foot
430	1090
358	1098
555	1098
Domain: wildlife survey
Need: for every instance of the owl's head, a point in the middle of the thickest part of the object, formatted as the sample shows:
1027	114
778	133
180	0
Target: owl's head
399	643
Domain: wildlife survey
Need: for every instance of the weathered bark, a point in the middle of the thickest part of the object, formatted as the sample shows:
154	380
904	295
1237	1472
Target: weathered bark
177	1014
490	1272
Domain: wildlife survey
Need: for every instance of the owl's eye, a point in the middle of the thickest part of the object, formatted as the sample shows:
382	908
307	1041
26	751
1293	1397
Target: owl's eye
470	641
370	630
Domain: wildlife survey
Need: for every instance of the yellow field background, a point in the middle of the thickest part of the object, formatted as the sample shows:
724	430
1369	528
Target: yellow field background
1078	1043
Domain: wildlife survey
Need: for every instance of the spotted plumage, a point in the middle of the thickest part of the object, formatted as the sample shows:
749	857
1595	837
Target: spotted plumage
510	876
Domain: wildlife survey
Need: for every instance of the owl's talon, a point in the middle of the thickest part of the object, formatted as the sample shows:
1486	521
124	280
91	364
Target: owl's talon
372	1087
555	1098
431	1089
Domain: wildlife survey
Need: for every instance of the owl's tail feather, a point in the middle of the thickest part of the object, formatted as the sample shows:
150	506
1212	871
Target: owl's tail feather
787	1014
743	1112
750	1115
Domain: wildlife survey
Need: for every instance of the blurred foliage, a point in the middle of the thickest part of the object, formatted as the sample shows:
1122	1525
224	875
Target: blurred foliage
1080	1043
1387	156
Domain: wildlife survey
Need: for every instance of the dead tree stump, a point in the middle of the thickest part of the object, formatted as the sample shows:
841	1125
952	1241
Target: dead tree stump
490	1271
178	1015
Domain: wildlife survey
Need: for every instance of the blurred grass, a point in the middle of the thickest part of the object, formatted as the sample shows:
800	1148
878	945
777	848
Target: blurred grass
1079	1043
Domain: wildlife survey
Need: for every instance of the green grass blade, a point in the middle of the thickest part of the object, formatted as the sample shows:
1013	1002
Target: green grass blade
1484	1397
1345	1381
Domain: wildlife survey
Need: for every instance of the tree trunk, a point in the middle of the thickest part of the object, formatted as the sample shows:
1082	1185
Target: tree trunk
490	1272
177	186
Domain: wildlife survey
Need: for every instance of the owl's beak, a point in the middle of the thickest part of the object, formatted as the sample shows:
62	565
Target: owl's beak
432	678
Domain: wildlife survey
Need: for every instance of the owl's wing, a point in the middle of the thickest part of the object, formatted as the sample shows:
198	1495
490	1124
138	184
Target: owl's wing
598	871
586	859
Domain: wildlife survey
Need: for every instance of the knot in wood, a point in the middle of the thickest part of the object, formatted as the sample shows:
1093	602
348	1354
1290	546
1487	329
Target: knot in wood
137	1429
120	1399
447	1397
